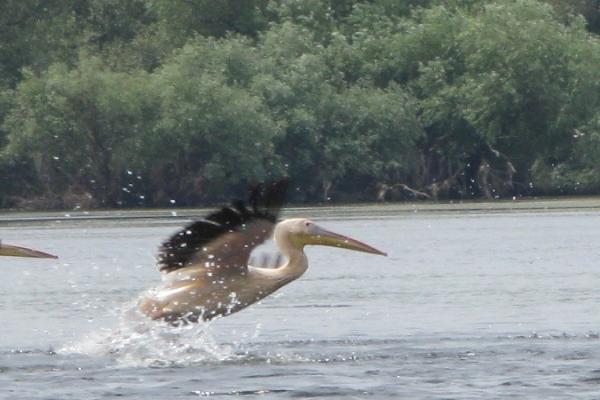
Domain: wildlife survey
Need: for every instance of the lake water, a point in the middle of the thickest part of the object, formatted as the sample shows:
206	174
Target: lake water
469	304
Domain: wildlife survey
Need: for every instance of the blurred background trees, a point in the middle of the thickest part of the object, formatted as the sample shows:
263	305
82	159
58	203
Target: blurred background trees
146	102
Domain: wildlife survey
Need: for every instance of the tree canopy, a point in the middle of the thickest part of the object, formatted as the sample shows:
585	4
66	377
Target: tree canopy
150	102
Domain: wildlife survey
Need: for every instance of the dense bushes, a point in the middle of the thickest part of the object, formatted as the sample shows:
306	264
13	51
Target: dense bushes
144	102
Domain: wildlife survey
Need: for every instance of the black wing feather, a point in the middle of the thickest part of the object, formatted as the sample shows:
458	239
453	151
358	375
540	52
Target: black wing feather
180	249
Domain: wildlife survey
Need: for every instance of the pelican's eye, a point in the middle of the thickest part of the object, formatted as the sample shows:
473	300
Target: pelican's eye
307	223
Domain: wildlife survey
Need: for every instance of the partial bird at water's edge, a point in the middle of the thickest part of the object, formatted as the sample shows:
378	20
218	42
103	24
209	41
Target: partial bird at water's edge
19	251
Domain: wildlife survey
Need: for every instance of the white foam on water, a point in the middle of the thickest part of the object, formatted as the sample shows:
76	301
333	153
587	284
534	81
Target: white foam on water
137	341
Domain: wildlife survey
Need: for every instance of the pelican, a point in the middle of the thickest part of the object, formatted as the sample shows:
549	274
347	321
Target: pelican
205	265
17	251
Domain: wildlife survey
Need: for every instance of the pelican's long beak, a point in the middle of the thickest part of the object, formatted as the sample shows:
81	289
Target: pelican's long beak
320	236
16	251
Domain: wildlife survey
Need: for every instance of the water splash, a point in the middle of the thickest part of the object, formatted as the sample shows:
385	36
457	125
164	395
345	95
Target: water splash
137	341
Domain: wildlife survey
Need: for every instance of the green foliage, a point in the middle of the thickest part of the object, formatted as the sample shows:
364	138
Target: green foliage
34	33
78	126
590	9
211	131
505	76
147	101
183	18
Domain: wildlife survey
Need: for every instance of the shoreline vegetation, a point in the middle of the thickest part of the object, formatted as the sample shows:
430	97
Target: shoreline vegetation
321	211
111	104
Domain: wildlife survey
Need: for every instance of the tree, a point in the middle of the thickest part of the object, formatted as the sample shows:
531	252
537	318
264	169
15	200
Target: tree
183	18
212	134
77	126
333	134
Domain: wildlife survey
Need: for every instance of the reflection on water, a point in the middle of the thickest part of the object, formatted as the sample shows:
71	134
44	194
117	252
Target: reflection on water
467	305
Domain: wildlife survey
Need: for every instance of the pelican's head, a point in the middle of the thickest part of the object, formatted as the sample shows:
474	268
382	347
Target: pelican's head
16	251
301	232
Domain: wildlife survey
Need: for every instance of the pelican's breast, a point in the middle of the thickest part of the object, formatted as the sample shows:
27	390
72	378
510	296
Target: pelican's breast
205	296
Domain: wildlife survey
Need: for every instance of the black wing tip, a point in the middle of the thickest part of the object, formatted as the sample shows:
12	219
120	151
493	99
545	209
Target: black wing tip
268	197
265	201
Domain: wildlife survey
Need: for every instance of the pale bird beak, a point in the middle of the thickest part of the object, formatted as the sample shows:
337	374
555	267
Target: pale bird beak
16	251
324	237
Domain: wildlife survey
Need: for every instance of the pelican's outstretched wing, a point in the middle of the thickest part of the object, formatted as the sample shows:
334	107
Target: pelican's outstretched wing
225	238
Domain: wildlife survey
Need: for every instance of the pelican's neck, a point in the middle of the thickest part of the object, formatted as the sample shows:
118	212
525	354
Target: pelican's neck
297	263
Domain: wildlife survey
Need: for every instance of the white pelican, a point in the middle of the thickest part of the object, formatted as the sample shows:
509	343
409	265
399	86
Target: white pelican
205	265
17	251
